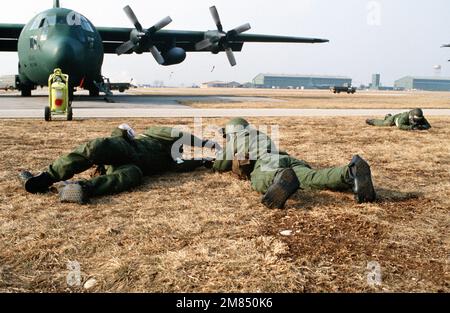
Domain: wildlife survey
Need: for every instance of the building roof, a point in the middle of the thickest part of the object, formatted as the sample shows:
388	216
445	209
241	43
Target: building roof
220	82
308	75
214	82
425	78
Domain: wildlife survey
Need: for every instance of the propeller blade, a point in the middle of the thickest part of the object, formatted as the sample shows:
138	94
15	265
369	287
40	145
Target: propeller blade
204	44
161	24
157	55
129	12
125	47
230	56
242	29
216	18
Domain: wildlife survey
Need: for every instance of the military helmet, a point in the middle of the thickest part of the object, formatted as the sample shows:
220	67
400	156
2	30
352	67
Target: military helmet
416	114
236	125
238	121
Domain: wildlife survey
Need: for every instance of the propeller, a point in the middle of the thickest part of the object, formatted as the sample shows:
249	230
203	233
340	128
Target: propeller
142	38
215	40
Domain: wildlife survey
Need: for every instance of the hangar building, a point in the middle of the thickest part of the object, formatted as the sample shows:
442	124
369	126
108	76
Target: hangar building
423	83
299	81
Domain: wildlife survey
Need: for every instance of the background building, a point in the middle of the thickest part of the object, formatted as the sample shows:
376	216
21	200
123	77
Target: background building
220	84
376	82
299	81
423	83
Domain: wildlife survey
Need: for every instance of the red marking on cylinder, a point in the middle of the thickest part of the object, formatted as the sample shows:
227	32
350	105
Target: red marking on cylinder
59	102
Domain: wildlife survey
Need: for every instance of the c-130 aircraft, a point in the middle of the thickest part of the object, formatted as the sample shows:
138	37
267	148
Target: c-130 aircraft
62	38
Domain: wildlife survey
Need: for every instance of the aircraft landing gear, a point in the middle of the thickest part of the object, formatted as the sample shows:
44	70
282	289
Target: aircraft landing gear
71	91
94	92
26	92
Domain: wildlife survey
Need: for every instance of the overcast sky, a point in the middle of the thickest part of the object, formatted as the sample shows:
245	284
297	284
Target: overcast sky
392	37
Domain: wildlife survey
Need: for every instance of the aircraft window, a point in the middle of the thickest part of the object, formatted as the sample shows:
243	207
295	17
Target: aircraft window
36	22
62	20
51	20
42	23
86	25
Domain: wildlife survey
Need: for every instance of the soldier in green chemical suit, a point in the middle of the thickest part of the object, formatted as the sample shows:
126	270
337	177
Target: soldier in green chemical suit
412	120
251	154
123	159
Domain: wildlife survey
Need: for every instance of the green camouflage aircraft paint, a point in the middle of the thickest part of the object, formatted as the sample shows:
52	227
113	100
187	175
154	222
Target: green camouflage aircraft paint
62	38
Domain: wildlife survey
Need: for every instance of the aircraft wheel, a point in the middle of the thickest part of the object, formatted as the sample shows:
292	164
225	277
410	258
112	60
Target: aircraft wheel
69	113
94	92
47	114
25	92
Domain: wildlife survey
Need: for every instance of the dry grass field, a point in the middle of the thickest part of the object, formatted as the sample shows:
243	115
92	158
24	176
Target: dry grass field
310	99
206	232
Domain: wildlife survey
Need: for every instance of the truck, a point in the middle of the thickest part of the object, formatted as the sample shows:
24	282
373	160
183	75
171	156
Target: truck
347	89
106	86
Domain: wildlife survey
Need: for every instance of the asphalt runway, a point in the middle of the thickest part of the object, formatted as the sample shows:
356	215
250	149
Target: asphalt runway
13	106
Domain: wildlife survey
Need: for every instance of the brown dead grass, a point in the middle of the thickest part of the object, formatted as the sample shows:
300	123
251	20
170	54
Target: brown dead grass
205	232
310	99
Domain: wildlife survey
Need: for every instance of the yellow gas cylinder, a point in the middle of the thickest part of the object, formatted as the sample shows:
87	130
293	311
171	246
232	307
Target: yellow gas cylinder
58	84
59	97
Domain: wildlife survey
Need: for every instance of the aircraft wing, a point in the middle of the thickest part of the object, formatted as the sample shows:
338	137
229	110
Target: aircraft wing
9	35
445	46
164	39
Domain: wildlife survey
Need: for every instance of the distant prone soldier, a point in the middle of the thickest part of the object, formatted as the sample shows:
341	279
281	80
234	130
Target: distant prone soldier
412	120
122	161
251	154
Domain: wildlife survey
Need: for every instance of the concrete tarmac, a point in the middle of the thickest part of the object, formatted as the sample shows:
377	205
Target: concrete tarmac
13	106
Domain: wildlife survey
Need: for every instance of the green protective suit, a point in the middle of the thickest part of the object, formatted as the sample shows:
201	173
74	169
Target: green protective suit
126	160
268	161
402	121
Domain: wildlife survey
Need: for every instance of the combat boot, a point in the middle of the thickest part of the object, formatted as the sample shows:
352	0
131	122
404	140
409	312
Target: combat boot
73	192
285	184
370	122
36	183
361	180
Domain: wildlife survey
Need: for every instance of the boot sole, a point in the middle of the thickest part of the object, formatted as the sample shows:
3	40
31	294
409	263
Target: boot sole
73	193
364	191
279	193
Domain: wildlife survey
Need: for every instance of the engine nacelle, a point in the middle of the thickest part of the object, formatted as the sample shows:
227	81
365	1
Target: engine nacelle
174	56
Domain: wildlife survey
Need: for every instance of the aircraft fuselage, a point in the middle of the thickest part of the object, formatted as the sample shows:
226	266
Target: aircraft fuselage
60	38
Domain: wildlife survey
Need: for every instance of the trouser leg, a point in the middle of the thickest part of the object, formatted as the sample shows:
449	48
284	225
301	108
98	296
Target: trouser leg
102	151
116	180
265	171
335	178
388	121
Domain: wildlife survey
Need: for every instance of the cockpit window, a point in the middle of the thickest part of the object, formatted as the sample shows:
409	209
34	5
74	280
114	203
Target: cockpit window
86	25
44	21
48	21
36	22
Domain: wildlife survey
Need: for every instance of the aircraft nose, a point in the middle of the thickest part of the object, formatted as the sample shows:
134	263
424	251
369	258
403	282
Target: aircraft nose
65	53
